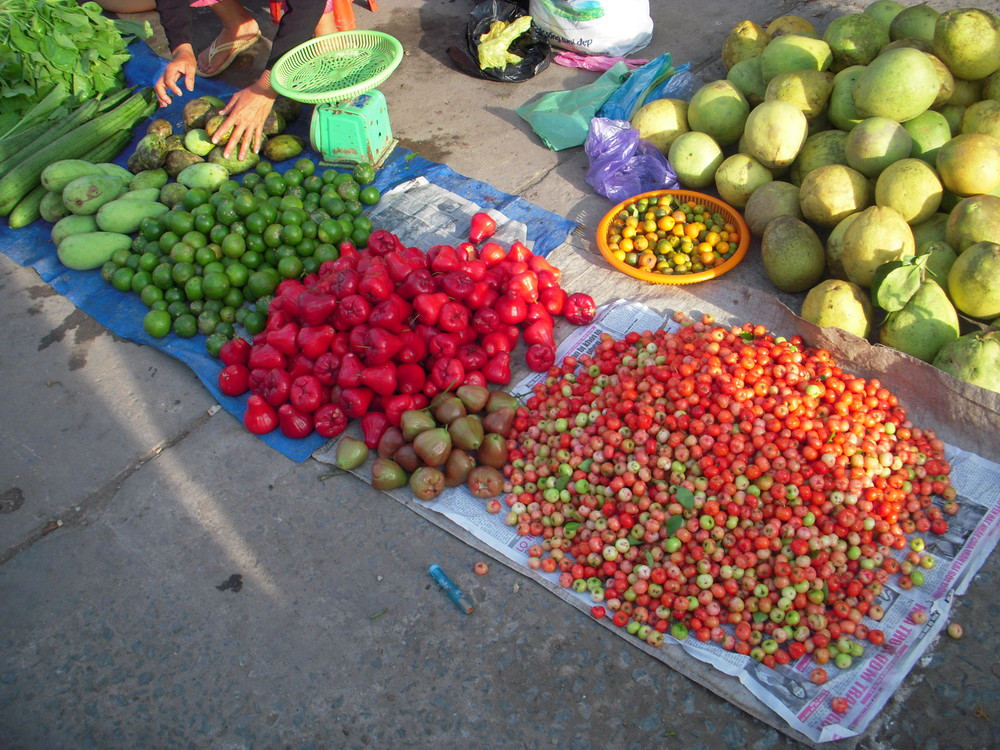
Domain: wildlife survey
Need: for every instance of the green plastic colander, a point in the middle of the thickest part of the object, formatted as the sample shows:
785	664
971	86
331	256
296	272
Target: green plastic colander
336	67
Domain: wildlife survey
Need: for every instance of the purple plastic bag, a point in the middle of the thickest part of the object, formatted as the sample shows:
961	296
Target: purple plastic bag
622	164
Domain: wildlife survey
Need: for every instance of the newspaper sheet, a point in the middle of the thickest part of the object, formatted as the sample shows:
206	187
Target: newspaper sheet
871	680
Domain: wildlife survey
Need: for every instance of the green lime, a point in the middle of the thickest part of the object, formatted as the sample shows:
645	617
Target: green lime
268	211
140	280
186	325
274	183
255	222
204	223
309	228
151	228
238	227
194	198
241	314
289	201
363	222
313	185
293	216
370	195
216	266
255	244
205	255
360	237
205	209
245	204
160	304
120	257
193	288
195	306
354	208
162	276
148	261
218	233
233	246
263	305
177	308
157	323
173	294
290	267
291	234
310	265
179	221
212	305
207	321
151	293
229	186
283	251
272	235
108	271
168	239
329	175
182	253
228	312
225	212
195	239
324	252
214	344
294	177
348	190
225	328
254	322
306	247
139	244
251	180
259	284
342	177
132	261
347	224
333	205
122	279
237	273
305	165
270	257
233	298
363	173
263	167
215	285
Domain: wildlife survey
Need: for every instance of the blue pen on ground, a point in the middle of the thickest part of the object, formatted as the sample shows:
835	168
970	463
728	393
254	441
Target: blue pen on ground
450	588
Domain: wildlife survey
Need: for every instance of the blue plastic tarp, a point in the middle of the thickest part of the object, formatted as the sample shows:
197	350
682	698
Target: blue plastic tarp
122	313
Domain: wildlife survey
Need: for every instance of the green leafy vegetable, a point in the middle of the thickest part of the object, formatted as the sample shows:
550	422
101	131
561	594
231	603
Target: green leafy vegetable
52	51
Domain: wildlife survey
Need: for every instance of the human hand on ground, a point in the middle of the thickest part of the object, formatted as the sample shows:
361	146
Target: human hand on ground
183	65
245	114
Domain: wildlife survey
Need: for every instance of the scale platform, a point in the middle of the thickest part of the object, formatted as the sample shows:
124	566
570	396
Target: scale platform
339	74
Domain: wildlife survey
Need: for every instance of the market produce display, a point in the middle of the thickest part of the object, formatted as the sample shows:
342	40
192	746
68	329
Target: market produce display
868	154
727	484
387	332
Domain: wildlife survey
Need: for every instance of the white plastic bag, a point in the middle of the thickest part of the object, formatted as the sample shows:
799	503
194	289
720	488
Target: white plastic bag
594	27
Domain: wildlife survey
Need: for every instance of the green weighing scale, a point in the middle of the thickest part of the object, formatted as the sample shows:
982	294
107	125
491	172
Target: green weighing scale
339	73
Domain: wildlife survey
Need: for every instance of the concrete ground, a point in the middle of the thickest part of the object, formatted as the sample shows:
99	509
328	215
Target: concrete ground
127	502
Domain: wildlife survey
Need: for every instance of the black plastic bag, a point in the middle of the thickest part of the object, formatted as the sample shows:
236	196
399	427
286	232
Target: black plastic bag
534	51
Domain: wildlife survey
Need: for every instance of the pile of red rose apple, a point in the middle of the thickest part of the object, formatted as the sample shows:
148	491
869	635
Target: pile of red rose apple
385	329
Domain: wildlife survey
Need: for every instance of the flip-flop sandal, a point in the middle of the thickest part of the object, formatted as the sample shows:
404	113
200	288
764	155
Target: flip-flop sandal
232	50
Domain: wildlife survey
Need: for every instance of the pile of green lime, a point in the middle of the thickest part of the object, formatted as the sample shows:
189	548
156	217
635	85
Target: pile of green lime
213	261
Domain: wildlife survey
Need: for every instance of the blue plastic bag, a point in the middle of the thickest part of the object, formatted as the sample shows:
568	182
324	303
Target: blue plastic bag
622	164
650	82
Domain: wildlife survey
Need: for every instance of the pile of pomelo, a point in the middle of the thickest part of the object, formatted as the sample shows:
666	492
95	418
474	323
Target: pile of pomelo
866	158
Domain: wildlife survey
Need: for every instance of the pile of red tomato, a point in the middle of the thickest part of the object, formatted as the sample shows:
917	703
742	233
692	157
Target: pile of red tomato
385	329
727	484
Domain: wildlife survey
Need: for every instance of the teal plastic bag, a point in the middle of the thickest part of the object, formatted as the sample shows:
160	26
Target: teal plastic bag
562	118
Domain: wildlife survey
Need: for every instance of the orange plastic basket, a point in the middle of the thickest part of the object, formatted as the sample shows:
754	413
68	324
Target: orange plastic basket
731	215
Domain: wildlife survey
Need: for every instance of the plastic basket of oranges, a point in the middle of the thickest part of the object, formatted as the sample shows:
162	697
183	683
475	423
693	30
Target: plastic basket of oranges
673	237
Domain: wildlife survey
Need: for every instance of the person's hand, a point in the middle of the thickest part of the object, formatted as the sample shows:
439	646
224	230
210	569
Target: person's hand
245	114
183	65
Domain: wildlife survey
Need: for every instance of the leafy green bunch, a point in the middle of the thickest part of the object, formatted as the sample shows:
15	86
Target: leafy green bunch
58	53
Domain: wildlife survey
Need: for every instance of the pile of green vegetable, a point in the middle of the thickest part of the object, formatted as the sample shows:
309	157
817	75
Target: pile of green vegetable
56	54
